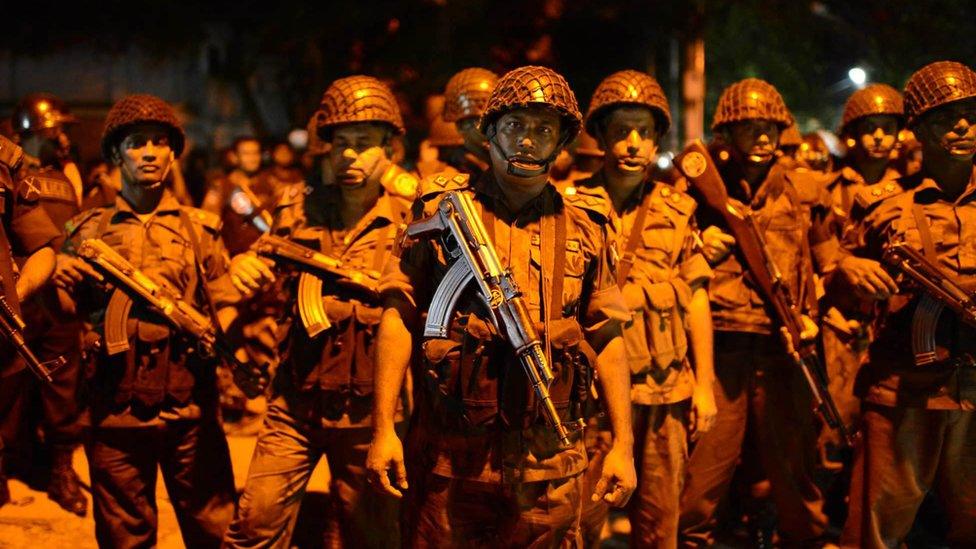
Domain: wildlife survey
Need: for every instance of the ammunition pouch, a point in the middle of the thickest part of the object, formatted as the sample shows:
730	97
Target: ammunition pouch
476	382
656	337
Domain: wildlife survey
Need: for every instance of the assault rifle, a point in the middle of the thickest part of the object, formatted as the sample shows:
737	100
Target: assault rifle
12	329
315	266
131	283
940	290
465	239
697	165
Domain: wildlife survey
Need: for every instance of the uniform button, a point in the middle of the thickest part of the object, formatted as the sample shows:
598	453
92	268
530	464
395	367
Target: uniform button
675	198
665	192
876	192
889	187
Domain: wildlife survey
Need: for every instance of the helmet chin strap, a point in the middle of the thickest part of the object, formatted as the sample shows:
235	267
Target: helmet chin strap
520	171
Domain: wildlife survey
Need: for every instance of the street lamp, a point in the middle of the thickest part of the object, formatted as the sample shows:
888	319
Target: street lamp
858	76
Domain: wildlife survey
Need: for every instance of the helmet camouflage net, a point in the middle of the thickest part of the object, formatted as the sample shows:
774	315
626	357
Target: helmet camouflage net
937	84
872	100
751	99
358	99
533	85
629	88
466	94
141	109
38	111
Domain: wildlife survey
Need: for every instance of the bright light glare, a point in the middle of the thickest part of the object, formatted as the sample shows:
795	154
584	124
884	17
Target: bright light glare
857	76
664	161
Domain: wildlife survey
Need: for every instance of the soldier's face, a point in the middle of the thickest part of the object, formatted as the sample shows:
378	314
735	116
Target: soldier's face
249	156
283	155
474	140
754	141
950	129
145	156
876	135
348	142
525	139
629	139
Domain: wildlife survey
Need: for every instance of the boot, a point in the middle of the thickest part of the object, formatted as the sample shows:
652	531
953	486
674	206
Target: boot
65	487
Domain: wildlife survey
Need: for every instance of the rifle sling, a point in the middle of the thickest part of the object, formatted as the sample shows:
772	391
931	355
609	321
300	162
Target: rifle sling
201	279
7	271
924	232
635	236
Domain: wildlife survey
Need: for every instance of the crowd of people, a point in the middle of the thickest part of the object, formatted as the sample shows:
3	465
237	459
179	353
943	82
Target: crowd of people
532	334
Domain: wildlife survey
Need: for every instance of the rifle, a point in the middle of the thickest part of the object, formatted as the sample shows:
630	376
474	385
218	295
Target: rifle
697	165
474	257
315	266
940	290
131	283
12	329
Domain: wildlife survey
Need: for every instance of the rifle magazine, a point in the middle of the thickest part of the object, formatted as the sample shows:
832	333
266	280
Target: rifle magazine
116	318
311	309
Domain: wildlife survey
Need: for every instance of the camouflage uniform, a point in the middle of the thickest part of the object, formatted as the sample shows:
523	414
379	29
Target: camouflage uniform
919	428
756	381
498	476
154	405
323	394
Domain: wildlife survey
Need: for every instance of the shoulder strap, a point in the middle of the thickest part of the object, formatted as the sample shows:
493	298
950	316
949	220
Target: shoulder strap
635	236
201	278
7	271
924	231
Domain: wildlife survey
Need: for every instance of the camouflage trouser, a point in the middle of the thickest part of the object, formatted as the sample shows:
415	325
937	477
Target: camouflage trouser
756	381
470	514
287	452
904	453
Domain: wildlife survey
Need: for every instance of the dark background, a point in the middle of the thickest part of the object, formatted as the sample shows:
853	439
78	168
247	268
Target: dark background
260	67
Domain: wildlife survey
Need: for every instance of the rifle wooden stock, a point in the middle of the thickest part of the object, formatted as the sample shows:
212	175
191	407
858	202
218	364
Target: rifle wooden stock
463	235
698	167
132	284
12	329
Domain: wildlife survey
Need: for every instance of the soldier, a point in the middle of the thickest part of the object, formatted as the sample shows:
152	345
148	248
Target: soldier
465	99
323	393
444	147
756	380
497	472
241	196
870	124
153	405
814	154
919	430
587	158
41	120
26	231
663	276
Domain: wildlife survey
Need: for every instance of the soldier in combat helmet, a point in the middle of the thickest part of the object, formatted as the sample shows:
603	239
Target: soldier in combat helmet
498	475
663	276
322	398
41	121
755	379
919	428
153	405
465	98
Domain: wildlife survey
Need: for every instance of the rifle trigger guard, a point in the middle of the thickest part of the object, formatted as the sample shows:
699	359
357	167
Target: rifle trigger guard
446	297
311	308
115	321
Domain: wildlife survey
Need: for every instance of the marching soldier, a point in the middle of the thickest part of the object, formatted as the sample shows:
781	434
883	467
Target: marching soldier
870	124
663	276
323	393
26	231
465	98
498	474
756	380
919	430
154	404
40	121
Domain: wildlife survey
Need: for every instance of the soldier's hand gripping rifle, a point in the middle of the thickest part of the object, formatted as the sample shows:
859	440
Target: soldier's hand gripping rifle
940	290
463	234
315	267
131	283
12	329
697	165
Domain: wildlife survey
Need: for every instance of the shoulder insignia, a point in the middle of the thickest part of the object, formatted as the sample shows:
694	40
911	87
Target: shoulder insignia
674	198
28	190
808	184
76	222
442	183
873	194
204	218
593	204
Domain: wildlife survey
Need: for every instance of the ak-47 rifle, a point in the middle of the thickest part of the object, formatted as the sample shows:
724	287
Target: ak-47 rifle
465	239
131	283
697	165
316	266
940	290
12	329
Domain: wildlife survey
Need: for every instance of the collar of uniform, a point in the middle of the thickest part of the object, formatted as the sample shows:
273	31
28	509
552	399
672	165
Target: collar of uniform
850	176
167	205
928	190
488	186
